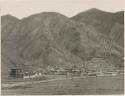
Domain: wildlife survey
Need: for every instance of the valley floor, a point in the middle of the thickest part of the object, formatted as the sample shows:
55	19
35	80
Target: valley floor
75	86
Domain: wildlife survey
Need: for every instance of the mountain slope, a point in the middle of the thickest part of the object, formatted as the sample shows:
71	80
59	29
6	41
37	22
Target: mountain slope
104	22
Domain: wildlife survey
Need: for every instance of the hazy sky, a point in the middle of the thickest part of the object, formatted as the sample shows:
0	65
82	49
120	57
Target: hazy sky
23	8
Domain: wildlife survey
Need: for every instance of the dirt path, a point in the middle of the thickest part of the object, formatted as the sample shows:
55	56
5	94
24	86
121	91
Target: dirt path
33	82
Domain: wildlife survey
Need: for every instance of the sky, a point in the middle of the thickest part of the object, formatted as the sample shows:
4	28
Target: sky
24	8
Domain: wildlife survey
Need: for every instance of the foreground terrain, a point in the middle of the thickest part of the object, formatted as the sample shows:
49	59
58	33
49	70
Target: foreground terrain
75	86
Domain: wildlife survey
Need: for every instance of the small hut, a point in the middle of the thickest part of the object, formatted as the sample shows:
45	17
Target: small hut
16	72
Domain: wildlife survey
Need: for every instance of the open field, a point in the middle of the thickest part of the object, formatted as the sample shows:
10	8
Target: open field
76	86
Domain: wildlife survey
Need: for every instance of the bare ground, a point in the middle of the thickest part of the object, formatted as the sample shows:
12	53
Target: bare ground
76	86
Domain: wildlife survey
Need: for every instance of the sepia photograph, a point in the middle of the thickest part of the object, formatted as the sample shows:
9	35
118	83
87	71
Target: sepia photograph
62	47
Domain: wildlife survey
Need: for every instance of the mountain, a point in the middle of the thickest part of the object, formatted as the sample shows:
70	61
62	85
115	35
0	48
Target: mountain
104	22
38	41
52	39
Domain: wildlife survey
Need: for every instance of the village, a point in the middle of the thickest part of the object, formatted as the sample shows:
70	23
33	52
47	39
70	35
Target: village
71	72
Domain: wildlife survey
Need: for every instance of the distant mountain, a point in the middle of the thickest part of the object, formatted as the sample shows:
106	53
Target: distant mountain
50	38
104	22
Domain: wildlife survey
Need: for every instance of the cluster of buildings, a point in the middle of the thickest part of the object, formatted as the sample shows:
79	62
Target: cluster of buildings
54	70
19	73
50	70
